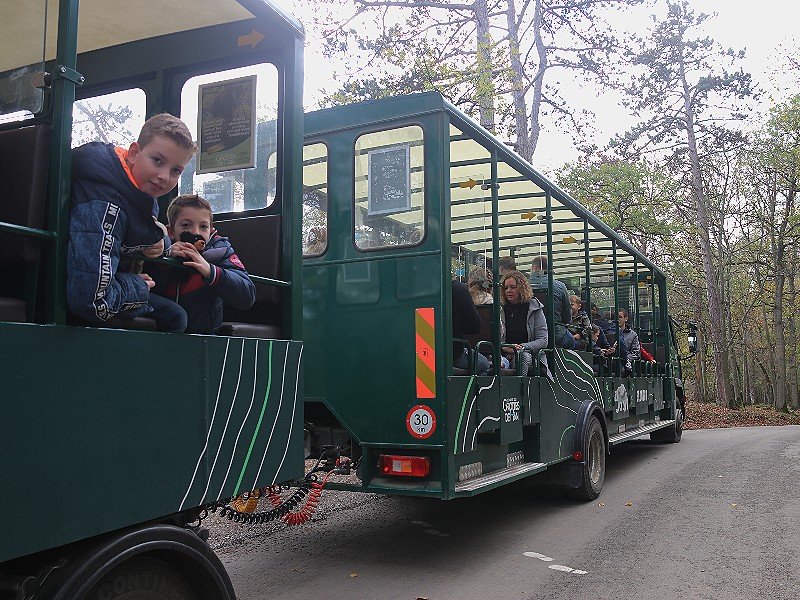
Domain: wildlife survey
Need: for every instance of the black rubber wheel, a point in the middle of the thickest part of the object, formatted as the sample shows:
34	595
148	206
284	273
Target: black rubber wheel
143	578
671	435
593	472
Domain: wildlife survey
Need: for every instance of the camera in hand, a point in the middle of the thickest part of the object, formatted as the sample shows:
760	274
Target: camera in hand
195	239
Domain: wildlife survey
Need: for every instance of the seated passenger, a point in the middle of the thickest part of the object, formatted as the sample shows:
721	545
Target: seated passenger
601	350
465	320
580	326
113	213
480	286
316	241
605	324
628	337
562	313
646	355
218	278
506	264
522	323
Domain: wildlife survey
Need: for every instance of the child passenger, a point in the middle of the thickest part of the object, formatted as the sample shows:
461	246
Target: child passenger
217	277
113	214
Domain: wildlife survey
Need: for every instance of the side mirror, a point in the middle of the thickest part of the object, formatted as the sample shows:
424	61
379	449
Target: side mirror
692	338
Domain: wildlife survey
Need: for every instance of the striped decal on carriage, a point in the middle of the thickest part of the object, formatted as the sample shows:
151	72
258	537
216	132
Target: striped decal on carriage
426	354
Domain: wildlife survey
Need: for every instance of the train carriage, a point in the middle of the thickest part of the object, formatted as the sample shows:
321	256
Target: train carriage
113	440
403	195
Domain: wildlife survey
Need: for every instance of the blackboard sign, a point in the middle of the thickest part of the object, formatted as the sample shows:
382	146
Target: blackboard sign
226	122
389	180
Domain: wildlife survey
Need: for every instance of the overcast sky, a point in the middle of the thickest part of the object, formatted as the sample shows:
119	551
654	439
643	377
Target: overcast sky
759	27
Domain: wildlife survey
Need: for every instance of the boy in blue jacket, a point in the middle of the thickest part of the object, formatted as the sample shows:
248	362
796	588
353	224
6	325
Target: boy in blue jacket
113	214
218	276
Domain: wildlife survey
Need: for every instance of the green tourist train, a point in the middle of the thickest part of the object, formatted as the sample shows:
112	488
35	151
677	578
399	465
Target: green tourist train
357	225
408	194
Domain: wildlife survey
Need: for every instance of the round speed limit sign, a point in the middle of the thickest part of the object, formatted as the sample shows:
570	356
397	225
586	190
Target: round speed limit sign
421	421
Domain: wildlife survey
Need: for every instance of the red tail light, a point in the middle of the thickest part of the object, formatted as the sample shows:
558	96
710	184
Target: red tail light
577	456
404	466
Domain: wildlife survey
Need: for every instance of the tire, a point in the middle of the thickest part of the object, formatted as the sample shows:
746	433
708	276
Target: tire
593	469
142	578
673	434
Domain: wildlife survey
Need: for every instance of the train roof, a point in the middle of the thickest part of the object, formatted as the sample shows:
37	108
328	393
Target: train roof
522	197
105	23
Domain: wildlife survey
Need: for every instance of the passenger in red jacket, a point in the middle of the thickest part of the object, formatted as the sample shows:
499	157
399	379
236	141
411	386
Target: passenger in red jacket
217	277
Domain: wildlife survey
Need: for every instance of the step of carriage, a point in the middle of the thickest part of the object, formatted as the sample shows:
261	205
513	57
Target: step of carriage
626	434
501	475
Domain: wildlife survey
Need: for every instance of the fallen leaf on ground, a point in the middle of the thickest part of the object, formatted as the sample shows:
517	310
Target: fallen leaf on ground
629	504
353	574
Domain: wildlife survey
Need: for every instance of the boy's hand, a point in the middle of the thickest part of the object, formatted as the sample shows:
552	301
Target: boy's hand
155	250
195	259
148	280
161	226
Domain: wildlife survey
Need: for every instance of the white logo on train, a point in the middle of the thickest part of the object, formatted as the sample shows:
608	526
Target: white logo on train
621	399
511	409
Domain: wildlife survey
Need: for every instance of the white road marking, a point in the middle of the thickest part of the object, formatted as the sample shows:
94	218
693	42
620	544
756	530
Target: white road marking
562	568
539	556
437	532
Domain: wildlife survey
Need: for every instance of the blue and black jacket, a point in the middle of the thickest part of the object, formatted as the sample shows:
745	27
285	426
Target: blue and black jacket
109	218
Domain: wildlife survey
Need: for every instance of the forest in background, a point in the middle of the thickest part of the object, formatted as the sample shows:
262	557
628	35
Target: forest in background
702	180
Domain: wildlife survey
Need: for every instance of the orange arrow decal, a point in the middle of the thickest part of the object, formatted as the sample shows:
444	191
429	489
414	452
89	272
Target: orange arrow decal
251	39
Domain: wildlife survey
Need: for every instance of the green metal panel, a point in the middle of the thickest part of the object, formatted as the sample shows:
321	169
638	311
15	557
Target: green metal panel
573	384
121	427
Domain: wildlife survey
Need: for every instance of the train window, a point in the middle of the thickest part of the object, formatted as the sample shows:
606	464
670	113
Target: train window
315	199
22	76
111	118
389	188
470	206
235	189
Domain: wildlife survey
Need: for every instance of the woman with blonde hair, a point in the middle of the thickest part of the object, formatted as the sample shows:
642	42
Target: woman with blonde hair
480	286
523	326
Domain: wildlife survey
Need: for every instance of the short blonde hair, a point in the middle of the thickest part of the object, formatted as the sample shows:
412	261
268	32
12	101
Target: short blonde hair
574	298
524	288
168	126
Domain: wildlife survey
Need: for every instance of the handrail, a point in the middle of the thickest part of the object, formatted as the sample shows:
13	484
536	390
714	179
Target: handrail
28	231
174	262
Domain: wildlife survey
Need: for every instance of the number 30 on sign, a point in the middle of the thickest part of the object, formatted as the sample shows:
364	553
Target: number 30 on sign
421	421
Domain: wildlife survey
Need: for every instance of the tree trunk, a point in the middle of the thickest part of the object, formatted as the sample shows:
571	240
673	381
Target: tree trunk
719	344
485	84
538	81
523	145
780	344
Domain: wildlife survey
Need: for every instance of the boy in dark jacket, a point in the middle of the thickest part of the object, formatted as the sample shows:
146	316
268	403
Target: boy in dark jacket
218	276
113	214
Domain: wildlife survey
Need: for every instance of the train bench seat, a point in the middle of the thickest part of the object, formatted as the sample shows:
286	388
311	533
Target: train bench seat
484	334
24	160
257	241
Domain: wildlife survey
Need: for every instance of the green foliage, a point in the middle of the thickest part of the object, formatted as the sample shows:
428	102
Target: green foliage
635	199
684	82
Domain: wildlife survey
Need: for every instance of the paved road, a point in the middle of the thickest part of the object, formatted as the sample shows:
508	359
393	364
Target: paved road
715	517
